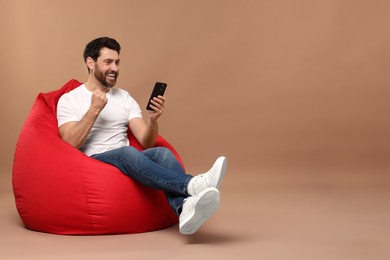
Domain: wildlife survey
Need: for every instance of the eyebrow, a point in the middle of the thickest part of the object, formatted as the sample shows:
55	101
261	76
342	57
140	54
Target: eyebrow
108	59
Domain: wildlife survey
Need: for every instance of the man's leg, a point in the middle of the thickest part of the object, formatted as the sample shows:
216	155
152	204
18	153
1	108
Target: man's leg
166	159
156	168
193	211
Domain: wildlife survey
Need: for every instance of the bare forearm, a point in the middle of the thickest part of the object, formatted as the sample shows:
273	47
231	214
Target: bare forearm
150	134
76	134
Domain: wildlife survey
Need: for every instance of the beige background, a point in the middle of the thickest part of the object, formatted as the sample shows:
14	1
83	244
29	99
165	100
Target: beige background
295	93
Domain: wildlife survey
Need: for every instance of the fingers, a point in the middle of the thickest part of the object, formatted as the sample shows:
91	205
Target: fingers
99	99
100	94
158	104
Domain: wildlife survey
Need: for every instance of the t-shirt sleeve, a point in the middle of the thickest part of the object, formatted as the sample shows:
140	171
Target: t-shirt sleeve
134	108
66	111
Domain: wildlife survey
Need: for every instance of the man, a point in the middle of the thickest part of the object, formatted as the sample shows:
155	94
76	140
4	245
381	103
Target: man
95	117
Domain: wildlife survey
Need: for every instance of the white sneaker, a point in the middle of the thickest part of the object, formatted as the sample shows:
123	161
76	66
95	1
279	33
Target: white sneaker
197	209
212	178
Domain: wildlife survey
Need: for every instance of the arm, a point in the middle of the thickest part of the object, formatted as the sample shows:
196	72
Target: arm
146	133
75	133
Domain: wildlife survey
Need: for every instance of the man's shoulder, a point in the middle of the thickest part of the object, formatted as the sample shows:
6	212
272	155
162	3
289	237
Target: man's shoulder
76	91
74	95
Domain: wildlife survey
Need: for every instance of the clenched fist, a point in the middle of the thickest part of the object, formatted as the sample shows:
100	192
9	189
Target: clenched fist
99	100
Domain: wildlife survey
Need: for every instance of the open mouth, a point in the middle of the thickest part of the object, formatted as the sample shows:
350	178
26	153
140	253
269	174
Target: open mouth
111	76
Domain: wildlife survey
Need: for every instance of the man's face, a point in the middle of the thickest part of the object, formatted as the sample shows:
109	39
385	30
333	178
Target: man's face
106	67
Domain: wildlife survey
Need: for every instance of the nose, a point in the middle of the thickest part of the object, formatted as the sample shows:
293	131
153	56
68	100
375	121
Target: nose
114	67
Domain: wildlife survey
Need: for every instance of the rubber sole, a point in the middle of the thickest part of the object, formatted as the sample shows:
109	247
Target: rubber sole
205	206
222	170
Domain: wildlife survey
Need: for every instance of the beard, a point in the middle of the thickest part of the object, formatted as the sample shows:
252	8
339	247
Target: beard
104	78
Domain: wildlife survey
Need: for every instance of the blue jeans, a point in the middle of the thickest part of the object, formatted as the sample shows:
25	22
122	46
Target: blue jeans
156	168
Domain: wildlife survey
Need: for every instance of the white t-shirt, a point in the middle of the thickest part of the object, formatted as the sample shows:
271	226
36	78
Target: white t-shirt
110	129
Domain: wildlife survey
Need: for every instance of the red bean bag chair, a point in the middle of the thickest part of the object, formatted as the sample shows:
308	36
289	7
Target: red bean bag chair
60	190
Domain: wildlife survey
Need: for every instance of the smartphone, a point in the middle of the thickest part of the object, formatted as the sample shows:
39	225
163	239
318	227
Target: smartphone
158	90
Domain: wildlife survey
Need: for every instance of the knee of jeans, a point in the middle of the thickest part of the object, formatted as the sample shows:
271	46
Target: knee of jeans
164	152
128	150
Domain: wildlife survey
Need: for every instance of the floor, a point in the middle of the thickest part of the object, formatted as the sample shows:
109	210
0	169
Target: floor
267	214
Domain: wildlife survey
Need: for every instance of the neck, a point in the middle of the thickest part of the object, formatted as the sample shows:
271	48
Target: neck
93	84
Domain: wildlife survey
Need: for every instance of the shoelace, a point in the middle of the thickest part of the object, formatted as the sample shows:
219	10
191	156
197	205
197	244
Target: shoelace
199	179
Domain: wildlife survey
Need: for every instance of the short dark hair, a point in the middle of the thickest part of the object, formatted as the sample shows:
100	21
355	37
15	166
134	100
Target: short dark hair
93	48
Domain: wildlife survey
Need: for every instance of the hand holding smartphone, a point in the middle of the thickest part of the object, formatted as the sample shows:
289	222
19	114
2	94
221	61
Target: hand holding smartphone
158	90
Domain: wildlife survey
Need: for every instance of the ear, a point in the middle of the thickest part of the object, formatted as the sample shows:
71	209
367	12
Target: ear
90	63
